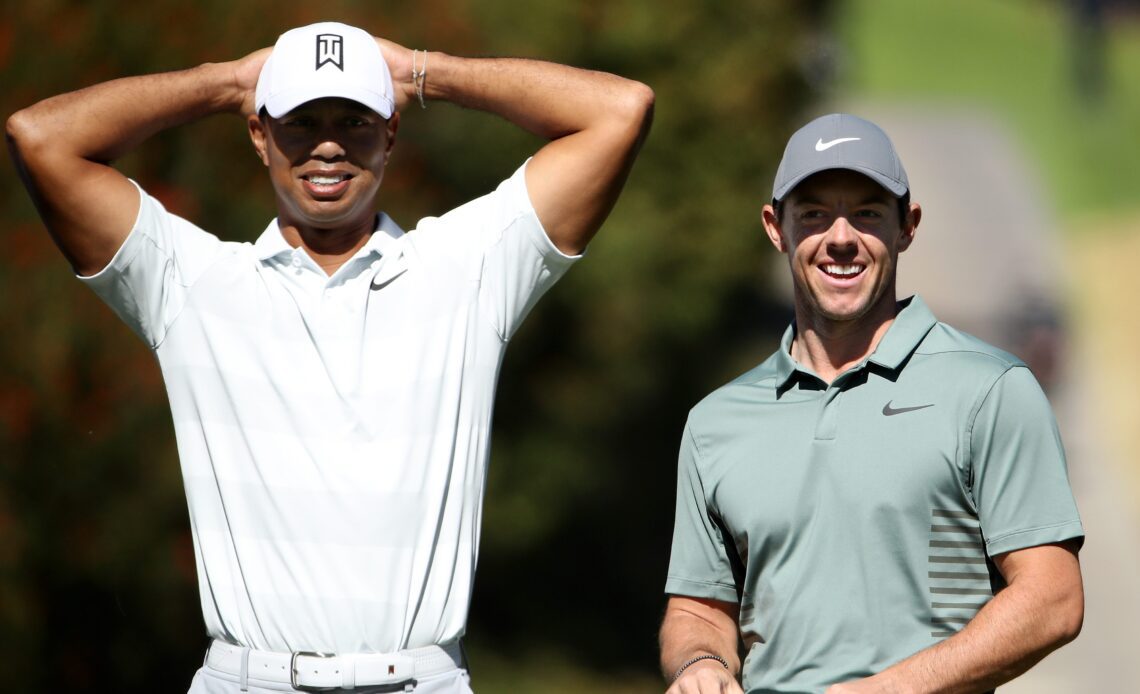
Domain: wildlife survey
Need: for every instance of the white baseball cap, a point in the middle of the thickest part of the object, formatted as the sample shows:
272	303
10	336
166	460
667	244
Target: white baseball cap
328	59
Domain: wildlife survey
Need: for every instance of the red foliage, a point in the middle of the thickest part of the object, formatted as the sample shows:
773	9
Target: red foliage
176	199
5	44
17	405
29	246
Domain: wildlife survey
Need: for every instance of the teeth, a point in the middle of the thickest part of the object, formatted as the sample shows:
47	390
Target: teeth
845	270
325	180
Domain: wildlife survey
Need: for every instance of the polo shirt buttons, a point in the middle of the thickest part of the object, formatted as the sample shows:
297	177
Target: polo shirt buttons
296	261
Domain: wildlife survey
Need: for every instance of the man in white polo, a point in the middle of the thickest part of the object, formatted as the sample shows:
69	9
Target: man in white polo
332	383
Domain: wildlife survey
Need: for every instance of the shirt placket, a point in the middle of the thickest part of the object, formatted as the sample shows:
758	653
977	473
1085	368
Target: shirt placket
827	424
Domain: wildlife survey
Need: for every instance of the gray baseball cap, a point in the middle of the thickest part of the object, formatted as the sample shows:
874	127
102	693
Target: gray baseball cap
840	141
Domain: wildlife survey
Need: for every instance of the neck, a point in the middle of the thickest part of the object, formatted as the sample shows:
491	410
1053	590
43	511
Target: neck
330	248
830	347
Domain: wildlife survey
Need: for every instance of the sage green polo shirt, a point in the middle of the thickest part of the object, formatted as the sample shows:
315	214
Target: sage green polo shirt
854	522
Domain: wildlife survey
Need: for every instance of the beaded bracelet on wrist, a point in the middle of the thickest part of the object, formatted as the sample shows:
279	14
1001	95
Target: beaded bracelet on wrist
697	659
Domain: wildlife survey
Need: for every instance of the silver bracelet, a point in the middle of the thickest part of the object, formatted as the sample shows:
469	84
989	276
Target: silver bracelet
418	77
697	659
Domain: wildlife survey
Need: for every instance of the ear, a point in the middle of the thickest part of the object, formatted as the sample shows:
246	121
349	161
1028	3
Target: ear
259	135
772	228
393	126
909	226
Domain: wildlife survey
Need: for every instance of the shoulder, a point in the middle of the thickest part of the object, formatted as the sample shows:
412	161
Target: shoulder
463	233
976	372
954	349
497	208
165	243
758	384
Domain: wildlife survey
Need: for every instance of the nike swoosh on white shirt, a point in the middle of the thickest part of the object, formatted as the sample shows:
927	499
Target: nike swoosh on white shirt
820	145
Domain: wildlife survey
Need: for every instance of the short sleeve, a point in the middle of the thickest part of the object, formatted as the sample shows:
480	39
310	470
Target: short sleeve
500	238
1021	483
147	281
699	565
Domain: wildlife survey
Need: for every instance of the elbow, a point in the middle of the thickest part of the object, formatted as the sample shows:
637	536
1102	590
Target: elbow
639	103
1073	614
1063	618
15	130
626	111
1071	619
628	116
23	136
642	98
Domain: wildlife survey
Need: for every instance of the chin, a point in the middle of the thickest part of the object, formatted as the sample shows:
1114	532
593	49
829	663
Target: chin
839	315
851	308
837	308
330	216
840	311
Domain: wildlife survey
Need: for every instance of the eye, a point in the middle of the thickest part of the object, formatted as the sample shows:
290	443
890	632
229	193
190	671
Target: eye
812	214
868	214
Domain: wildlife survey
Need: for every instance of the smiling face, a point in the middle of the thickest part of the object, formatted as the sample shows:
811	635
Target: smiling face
326	160
842	233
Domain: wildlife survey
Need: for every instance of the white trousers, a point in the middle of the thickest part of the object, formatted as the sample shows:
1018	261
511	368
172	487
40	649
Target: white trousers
210	681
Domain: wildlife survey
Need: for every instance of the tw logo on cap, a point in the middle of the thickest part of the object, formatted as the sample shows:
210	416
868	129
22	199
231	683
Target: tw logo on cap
330	49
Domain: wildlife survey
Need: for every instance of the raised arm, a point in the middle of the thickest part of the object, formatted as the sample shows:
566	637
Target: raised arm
63	147
595	122
695	627
1040	610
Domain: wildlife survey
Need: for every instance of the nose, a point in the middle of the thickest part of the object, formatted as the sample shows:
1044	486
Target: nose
327	147
841	233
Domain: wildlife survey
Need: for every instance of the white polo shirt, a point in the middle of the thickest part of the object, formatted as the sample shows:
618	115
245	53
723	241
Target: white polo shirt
334	431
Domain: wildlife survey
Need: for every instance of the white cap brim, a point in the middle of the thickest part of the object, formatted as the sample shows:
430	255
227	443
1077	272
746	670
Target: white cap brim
325	60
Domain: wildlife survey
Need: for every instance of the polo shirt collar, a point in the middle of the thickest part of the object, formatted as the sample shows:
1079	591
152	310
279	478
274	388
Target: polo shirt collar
271	243
786	367
913	322
903	337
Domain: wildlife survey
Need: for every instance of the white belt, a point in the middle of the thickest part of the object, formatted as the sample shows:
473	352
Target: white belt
316	672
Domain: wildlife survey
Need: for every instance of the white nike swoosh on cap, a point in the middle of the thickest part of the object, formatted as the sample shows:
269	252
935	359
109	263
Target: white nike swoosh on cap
820	145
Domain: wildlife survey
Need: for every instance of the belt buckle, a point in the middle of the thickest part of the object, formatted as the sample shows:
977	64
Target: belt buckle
293	672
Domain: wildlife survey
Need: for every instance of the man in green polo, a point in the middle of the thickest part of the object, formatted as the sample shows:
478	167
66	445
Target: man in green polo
883	504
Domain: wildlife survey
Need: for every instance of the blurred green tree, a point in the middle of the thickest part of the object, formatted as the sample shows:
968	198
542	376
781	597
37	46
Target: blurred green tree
97	578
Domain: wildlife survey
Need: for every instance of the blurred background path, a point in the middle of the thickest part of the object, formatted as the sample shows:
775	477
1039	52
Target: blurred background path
1098	410
990	259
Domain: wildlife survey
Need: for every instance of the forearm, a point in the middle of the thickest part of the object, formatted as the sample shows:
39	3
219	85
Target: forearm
1009	635
547	99
686	635
102	122
595	123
